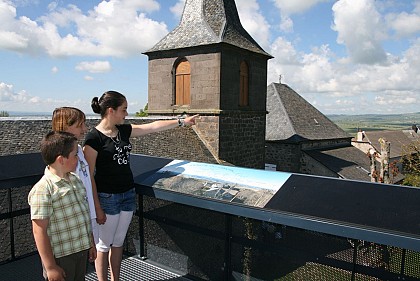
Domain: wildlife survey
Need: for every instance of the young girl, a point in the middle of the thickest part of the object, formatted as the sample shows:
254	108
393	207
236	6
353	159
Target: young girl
72	120
107	150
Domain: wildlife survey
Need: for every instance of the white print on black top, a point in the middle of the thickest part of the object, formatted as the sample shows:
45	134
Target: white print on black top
122	154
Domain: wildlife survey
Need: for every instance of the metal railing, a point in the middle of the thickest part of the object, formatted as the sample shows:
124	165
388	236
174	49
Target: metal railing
207	240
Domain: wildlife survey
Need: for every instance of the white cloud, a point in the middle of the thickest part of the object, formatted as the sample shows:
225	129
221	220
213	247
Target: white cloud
118	28
286	24
54	70
288	8
7	94
284	52
396	97
360	29
94	67
296	6
340	86
404	24
88	78
10	100
178	8
254	22
52	6
9	38
12	41
344	102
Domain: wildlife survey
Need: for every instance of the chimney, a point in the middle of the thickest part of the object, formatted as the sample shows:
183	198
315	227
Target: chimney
360	136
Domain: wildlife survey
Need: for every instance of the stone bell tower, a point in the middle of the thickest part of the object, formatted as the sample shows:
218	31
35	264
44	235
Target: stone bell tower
210	65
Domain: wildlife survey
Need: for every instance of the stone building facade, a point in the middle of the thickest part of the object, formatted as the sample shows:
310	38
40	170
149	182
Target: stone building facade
300	139
206	70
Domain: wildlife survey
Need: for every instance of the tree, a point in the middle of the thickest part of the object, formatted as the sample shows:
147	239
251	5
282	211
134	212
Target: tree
143	112
411	163
4	114
383	175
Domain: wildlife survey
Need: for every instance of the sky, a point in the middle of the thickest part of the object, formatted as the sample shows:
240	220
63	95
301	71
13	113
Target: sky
342	56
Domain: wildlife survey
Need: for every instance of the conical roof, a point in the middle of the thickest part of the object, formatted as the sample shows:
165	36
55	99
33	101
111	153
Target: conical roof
206	22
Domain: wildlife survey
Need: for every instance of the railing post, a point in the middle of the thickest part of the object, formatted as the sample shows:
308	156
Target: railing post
228	247
353	273
11	228
141	228
403	262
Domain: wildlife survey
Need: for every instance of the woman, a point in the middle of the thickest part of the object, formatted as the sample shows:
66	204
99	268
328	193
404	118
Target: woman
73	120
107	151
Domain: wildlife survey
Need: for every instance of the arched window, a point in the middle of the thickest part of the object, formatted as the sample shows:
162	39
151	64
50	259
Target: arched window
243	87
183	83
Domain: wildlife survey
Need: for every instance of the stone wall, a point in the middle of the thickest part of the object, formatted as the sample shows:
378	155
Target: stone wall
285	156
242	139
230	80
24	136
311	166
205	83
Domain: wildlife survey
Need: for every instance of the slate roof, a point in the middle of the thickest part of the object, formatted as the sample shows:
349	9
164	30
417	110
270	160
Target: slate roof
397	139
347	162
24	136
290	117
206	22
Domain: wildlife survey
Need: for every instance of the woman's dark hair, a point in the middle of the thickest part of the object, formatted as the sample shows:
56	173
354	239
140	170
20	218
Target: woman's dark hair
109	99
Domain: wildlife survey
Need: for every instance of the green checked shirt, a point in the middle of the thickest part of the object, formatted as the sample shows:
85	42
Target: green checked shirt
65	204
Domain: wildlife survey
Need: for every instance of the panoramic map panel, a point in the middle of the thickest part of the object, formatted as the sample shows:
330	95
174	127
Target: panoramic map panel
232	184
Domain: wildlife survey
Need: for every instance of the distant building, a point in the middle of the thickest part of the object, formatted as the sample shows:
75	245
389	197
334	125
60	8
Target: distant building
300	139
398	139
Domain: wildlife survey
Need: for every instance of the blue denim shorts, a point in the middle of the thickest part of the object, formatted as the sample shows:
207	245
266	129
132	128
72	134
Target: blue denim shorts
114	203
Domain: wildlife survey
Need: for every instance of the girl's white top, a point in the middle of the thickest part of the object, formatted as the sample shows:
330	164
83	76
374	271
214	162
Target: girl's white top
82	170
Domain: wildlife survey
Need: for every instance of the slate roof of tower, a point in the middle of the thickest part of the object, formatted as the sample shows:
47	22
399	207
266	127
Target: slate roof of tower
206	22
291	118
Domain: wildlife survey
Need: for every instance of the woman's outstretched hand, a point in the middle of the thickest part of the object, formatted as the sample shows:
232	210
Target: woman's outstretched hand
190	120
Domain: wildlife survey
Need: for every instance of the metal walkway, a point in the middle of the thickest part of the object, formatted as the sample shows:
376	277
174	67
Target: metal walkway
132	269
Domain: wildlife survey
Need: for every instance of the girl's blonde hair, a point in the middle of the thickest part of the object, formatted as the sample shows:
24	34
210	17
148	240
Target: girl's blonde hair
64	117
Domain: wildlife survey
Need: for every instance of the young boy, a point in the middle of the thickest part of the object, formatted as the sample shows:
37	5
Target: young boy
60	212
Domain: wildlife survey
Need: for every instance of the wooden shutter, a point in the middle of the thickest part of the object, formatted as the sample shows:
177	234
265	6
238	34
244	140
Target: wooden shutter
183	83
243	87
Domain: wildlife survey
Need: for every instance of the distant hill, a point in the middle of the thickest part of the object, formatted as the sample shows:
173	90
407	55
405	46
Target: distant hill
375	122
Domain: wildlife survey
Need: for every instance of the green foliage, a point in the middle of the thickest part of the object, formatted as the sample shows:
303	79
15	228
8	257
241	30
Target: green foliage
143	112
411	163
412	180
4	114
374	122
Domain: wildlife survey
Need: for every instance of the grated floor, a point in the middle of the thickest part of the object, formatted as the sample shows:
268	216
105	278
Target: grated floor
132	269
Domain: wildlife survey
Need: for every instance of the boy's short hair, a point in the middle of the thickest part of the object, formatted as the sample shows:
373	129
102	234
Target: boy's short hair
56	144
